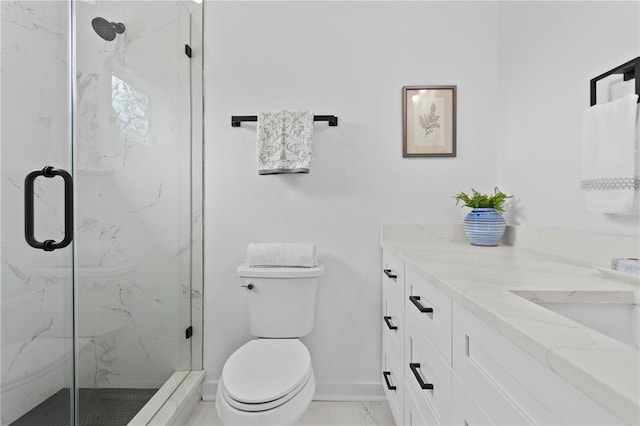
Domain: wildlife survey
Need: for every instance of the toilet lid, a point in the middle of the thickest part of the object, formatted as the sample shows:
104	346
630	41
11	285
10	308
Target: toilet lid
264	370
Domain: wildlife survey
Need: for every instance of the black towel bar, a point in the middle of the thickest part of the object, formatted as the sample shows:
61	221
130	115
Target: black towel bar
628	70
237	119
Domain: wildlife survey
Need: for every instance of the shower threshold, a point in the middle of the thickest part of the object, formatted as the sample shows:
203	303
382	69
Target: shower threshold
172	404
98	407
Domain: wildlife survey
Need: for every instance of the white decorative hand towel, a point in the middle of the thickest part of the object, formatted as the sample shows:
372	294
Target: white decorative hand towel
285	141
282	254
610	134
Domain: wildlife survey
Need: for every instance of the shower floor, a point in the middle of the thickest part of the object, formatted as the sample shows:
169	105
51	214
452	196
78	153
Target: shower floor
98	407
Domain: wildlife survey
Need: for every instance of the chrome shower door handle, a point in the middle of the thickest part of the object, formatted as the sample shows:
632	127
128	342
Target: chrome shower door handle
29	235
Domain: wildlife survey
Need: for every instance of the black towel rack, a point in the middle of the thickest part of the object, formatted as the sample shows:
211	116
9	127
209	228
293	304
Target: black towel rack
237	119
628	70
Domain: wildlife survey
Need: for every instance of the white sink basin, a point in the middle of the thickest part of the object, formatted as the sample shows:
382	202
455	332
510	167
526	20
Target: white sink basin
614	314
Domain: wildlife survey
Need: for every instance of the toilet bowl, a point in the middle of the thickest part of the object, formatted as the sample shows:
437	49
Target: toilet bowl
266	382
270	380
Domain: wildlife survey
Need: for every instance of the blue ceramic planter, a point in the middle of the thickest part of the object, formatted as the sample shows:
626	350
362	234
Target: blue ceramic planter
484	227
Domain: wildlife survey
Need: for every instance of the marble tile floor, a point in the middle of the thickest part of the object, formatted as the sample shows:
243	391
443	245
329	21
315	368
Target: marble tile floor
320	413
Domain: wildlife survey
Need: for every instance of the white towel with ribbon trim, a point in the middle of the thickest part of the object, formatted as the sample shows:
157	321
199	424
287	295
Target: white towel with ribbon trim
610	134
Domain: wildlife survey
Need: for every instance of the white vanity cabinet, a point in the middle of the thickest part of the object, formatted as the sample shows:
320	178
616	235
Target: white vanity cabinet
441	365
479	375
416	339
428	347
393	334
510	385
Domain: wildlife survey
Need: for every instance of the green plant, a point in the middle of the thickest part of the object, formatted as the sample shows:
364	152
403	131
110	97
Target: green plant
479	201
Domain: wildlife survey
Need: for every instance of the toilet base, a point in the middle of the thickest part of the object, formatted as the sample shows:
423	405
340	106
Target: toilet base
287	414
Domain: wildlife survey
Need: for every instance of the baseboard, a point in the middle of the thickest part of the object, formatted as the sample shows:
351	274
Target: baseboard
209	389
341	391
327	391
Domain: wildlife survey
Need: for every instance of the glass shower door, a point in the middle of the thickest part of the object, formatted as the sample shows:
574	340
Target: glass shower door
101	91
133	208
36	291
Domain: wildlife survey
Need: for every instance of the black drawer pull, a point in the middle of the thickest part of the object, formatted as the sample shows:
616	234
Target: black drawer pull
414	366
391	326
389	274
416	301
386	375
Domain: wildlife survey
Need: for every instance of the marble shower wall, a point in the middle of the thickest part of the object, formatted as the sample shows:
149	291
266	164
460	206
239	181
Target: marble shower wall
132	186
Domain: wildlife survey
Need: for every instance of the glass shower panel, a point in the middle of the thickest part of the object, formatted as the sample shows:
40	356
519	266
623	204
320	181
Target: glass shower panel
133	168
88	338
36	285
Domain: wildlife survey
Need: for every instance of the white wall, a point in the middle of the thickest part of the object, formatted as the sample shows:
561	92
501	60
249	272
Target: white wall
522	70
350	59
548	52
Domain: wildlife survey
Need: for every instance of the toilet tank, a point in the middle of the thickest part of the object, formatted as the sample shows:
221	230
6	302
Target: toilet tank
282	301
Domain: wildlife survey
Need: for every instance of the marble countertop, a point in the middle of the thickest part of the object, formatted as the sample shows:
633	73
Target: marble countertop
484	279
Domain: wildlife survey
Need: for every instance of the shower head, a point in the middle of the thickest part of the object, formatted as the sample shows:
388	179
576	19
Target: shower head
105	29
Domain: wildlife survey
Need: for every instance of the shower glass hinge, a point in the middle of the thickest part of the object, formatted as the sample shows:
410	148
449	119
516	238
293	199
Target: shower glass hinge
188	332
187	50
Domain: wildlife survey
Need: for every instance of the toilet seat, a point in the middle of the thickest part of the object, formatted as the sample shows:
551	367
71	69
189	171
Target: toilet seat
287	414
265	373
264	406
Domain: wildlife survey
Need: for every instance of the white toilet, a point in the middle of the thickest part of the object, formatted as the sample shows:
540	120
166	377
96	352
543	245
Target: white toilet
270	381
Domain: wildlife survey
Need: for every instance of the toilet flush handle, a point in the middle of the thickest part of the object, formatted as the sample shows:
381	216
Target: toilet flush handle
248	286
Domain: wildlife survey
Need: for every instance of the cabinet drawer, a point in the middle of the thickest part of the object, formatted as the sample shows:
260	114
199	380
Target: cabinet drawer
427	375
392	276
465	410
511	386
429	310
393	384
481	373
393	323
416	415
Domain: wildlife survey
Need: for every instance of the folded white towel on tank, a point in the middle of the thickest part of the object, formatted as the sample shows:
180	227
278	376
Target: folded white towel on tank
282	254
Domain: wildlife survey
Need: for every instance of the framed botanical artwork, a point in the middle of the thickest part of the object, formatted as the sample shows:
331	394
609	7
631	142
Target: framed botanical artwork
429	121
